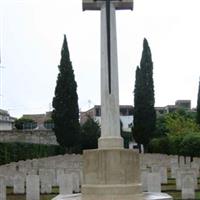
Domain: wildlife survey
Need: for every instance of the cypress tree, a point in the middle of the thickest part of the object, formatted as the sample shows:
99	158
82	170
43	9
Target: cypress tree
144	111
65	103
198	106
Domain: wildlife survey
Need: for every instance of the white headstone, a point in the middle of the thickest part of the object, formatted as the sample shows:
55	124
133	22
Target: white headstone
154	182
155	168
76	182
46	179
144	177
181	161
32	187
174	167
59	174
65	184
181	173
195	166
2	188
19	184
188	187
163	173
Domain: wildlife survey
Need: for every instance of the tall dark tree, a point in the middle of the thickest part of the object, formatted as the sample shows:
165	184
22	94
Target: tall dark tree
198	106
144	111
65	103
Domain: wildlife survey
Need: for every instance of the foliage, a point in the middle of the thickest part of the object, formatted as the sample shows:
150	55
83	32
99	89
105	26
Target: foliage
25	123
186	145
65	103
161	129
127	136
90	132
144	112
190	145
175	141
160	145
179	124
12	152
198	106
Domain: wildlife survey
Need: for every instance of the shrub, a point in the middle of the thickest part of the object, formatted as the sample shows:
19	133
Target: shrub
159	145
25	123
174	144
12	152
190	145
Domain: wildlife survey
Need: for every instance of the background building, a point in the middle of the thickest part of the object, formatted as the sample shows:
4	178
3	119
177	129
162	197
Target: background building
6	121
126	113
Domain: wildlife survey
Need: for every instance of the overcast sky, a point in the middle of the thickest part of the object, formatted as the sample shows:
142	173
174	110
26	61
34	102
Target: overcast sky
31	36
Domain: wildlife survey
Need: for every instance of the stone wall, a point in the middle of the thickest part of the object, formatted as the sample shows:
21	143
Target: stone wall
36	136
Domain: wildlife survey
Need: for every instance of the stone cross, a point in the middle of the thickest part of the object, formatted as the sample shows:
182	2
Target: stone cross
108	39
110	117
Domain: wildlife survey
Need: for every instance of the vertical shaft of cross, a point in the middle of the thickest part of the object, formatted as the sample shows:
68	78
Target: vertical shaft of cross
110	118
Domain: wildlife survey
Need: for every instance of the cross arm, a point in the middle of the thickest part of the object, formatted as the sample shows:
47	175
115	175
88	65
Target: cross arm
96	5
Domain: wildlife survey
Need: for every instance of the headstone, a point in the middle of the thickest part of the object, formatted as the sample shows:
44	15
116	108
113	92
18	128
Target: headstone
65	184
32	187
188	161
2	188
32	172
59	174
76	182
155	168
195	166
154	182
196	160
19	184
144	176
182	173
181	161
188	187
46	179
163	174
174	167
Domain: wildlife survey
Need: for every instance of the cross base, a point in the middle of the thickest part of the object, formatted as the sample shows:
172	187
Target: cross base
110	143
111	174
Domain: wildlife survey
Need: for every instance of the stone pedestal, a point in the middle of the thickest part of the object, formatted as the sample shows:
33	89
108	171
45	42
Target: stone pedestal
111	174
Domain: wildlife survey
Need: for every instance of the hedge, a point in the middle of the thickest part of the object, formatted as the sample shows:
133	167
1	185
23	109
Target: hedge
13	152
186	145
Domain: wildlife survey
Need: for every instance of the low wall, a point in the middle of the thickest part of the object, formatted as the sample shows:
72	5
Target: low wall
36	136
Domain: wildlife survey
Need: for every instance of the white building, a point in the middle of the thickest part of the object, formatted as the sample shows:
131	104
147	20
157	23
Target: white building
126	116
6	121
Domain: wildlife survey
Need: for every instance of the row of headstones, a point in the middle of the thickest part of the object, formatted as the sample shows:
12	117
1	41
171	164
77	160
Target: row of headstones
167	160
35	185
67	161
186	179
153	184
51	174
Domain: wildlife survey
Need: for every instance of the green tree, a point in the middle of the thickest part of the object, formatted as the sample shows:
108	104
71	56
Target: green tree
65	103
25	123
198	106
179	124
144	112
90	132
